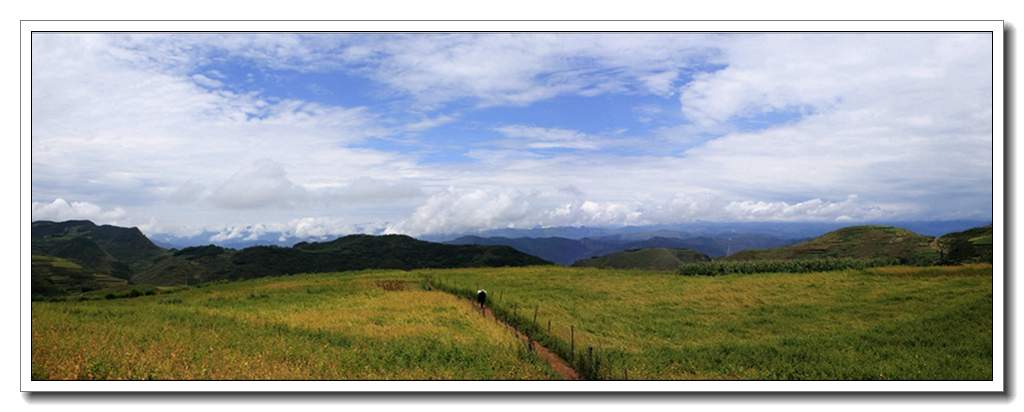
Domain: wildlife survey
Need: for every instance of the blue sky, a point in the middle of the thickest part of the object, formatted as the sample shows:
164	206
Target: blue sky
315	135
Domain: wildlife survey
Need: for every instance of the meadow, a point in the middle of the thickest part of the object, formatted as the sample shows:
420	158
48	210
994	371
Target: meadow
901	323
375	325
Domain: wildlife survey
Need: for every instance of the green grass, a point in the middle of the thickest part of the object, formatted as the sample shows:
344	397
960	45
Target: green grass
649	259
859	242
902	323
357	325
885	323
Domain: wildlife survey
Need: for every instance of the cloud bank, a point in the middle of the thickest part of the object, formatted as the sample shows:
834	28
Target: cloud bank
319	134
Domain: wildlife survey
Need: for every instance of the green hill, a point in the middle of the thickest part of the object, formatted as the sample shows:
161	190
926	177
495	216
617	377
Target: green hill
859	242
86	250
53	276
355	252
110	250
649	259
969	246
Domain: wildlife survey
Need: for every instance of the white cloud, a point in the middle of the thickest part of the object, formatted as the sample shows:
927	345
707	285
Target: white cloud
188	193
206	81
901	120
456	211
518	69
263	184
429	123
233	232
369	190
809	210
61	210
548	138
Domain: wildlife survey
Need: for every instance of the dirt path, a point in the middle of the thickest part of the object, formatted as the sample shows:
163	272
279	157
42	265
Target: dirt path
935	244
556	362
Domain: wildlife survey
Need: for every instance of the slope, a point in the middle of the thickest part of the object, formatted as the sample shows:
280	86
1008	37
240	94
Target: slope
860	242
649	259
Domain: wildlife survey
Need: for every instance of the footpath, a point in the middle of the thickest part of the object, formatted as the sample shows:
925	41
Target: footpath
556	362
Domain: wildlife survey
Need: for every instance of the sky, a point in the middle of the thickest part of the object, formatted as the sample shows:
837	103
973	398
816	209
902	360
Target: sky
320	135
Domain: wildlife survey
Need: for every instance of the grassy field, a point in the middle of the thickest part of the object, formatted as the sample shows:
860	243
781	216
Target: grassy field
356	325
903	323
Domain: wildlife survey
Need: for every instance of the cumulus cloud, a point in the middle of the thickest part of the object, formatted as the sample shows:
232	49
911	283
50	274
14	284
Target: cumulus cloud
61	210
260	185
456	211
770	127
589	213
809	210
465	211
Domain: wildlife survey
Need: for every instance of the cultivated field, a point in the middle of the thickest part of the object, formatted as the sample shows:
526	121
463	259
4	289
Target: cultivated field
932	323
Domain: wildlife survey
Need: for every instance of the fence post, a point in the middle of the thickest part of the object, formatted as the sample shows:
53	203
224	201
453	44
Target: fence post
549	326
535	314
500	295
625	372
572	341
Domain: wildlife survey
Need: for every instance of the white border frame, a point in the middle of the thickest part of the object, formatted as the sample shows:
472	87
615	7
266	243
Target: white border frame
999	305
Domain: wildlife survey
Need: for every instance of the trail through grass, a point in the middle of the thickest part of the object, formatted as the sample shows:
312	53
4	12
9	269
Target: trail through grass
357	325
882	323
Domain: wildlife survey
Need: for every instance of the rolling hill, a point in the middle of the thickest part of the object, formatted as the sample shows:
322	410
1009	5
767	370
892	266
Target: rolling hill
969	246
85	251
860	242
649	259
53	276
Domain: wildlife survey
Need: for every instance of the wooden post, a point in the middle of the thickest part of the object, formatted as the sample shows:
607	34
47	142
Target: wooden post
535	314
549	326
625	372
500	295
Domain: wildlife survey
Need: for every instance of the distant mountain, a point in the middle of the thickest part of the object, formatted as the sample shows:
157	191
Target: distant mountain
862	242
781	230
648	259
556	249
86	250
566	251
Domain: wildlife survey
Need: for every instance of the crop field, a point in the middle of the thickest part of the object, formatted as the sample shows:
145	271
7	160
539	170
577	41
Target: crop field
901	323
355	325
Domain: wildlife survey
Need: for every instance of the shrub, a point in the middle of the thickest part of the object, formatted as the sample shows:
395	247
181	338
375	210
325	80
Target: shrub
716	268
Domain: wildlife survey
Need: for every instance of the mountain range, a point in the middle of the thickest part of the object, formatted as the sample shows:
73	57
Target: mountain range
567	251
781	230
77	256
